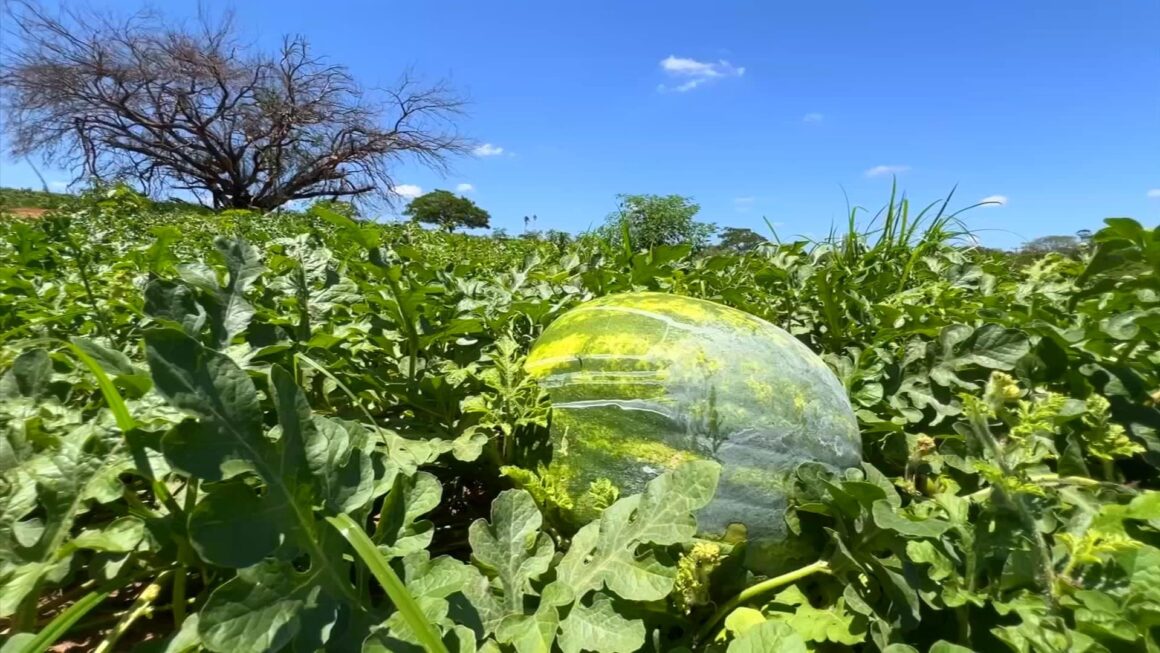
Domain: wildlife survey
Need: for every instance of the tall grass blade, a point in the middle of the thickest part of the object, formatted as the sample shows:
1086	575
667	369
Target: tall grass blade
626	240
771	230
113	398
61	624
425	631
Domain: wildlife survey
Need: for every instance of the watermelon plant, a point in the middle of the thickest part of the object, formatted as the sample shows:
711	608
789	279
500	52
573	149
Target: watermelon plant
235	432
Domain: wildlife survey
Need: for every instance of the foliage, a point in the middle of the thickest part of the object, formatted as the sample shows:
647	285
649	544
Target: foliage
1044	244
15	198
649	221
204	419
447	211
739	240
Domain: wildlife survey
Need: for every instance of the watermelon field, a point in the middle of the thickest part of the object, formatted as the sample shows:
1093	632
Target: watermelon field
242	432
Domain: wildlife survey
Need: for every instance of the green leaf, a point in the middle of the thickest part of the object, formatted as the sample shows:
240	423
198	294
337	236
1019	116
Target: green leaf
1122	326
366	237
873	475
175	302
996	348
1144	583
186	639
416	619
885	517
208	385
742	619
1071	462
438	578
943	646
337	454
924	552
536	632
297	426
768	637
1103	617
110	361
813	624
1145	506
600	628
23	643
233	312
113	398
63	479
429	582
400	531
234	527
260	609
228	439
605	552
121	535
511	546
28	376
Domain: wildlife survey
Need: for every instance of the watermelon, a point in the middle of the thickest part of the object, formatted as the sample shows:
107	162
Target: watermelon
642	382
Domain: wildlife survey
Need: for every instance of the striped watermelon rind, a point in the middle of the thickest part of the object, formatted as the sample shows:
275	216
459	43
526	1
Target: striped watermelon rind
642	382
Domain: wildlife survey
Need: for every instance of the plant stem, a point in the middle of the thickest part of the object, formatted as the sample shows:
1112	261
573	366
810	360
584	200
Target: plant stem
137	506
1048	479
962	614
982	431
753	591
82	266
179	597
190	498
141	606
1109	468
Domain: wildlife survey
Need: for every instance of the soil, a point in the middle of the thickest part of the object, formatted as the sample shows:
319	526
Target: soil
23	212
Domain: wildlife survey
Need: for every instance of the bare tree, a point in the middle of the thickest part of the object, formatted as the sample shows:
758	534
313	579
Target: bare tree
179	107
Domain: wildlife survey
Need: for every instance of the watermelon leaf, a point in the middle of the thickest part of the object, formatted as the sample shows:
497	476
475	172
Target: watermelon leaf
604	552
511	546
769	636
600	628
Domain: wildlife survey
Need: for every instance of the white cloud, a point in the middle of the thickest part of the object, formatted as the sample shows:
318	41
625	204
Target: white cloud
464	188
696	72
410	191
1154	193
487	149
878	171
994	201
58	185
813	117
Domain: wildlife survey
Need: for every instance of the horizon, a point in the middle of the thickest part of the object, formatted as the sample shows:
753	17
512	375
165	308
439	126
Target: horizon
758	113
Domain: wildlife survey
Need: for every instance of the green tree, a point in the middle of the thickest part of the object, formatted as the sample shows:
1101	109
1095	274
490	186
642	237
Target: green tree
447	210
739	239
1045	244
658	220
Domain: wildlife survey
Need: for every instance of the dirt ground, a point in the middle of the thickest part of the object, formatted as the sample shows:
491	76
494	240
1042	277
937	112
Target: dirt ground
24	212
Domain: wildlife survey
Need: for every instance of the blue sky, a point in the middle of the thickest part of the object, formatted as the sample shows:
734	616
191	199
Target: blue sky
764	109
